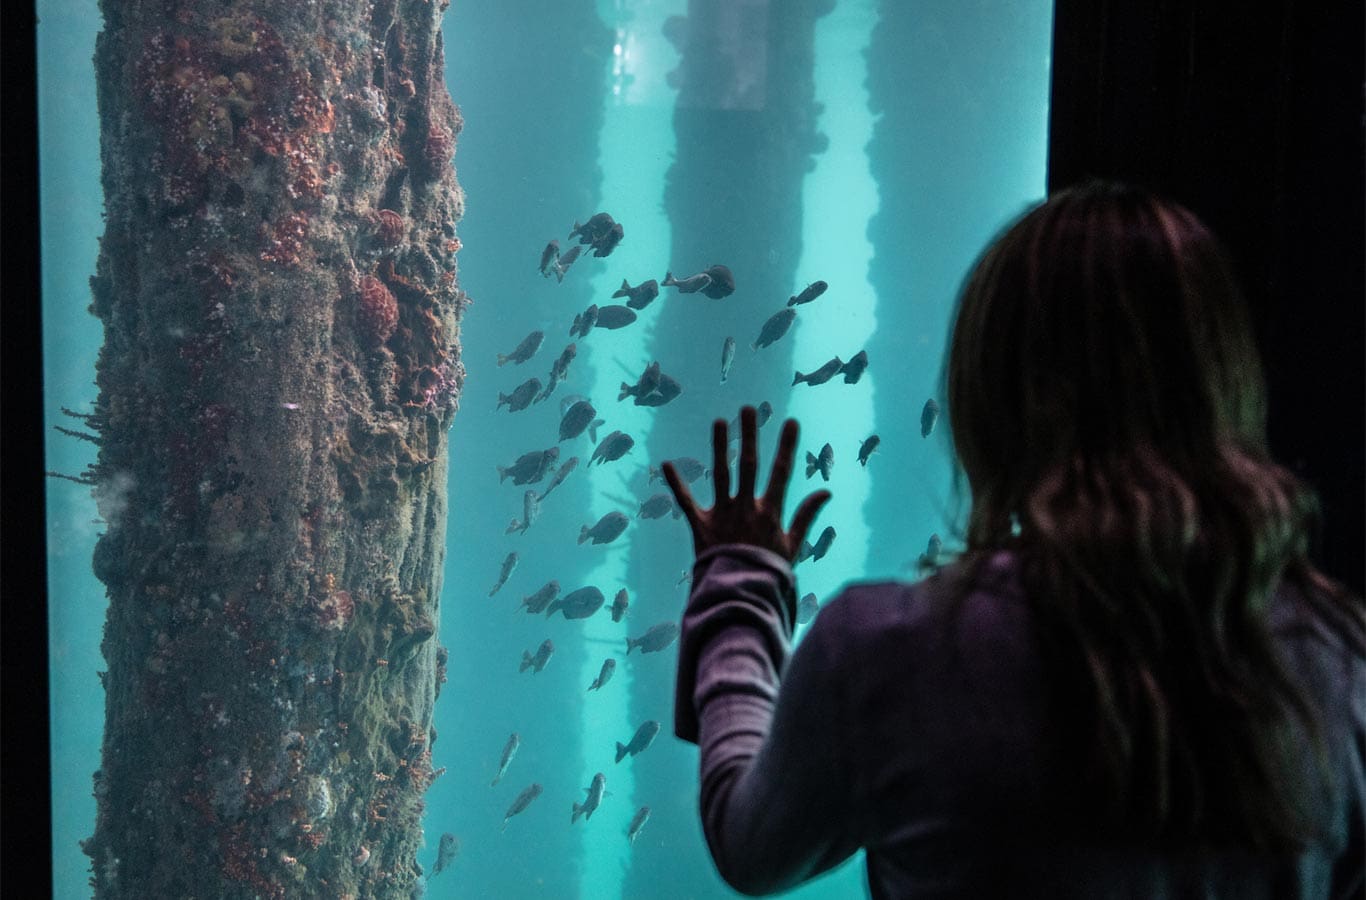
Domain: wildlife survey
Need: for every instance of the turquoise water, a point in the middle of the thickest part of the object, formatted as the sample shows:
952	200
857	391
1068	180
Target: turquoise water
930	134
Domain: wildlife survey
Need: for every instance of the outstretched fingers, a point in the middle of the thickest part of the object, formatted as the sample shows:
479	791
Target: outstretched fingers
805	515
749	453
720	466
782	467
682	494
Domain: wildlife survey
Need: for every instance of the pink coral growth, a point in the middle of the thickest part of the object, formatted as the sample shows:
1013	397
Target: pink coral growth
335	610
389	230
376	311
438	387
439	150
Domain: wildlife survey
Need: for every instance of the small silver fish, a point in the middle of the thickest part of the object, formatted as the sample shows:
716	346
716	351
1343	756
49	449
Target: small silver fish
609	665
561	475
594	800
727	357
522	802
807	607
509	751
690	285
509	563
866	449
565	261
637	822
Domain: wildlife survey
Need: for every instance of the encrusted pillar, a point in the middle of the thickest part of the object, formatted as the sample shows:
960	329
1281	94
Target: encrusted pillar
277	282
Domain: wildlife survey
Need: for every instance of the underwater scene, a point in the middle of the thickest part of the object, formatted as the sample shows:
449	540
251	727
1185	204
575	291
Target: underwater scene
671	209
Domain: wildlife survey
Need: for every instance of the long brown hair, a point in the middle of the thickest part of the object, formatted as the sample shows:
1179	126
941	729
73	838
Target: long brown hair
1107	407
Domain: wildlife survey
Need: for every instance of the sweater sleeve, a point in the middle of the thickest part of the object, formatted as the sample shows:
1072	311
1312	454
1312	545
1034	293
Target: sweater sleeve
777	795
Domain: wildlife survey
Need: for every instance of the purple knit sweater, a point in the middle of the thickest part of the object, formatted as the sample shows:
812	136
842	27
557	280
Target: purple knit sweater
925	740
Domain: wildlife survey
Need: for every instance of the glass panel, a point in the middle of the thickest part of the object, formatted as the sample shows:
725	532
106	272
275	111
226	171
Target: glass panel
873	146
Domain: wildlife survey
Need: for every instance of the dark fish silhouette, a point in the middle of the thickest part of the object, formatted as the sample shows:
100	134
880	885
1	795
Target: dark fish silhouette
575	420
594	800
658	506
521	396
619	605
640	741
637	822
722	282
614	446
776	326
558	369
446	852
655	639
509	563
578	604
549	256
809	293
615	316
522	802
688	468
762	415
853	369
530	467
537	663
509	751
821	375
536	603
604	245
928	416
807	607
609	666
606	530
596	228
727	357
641	296
820	548
822	463
866	449
523	351
690	285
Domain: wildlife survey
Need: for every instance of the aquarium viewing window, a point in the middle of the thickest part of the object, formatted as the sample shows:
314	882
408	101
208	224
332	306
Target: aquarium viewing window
403	686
